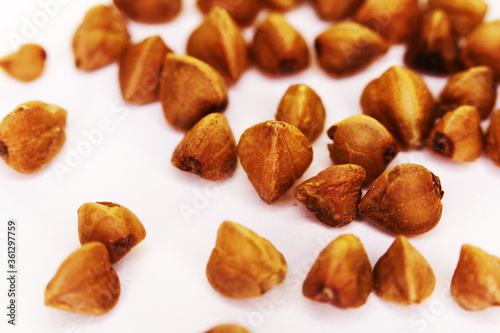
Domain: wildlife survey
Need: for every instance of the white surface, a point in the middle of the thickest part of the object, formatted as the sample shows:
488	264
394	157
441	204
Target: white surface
164	288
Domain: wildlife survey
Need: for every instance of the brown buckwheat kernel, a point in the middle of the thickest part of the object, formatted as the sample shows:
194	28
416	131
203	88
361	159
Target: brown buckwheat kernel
464	14
189	90
401	101
26	64
492	142
481	47
243	264
32	135
303	108
208	149
342	274
228	329
362	140
348	47
435	49
149	11
140	70
277	48
274	155
336	9
402	275
220	43
85	283
101	39
396	20
476	282
242	11
474	87
458	135
111	224
333	194
405	200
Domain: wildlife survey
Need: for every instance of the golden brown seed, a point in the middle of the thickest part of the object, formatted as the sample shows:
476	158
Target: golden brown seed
363	141
333	194
342	274
149	11
277	48
140	70
401	101
492	142
208	149
101	39
219	42
347	47
242	11
476	283
228	329
274	155
402	275
111	224
243	264
32	135
474	87
458	135
303	108
26	64
405	200
281	5
85	283
336	9
396	20
481	47
435	49
464	14
189	90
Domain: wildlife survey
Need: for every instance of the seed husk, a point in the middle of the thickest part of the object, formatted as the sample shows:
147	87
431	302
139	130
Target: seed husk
242	11
476	282
279	49
26	64
474	87
101	39
401	101
402	275
208	149
189	90
492	142
243	264
333	194
396	20
348	47
481	47
435	49
464	14
341	275
229	328
85	283
140	70
333	10
458	135
111	224
363	141
274	155
219	42
404	200
303	108
149	11
32	135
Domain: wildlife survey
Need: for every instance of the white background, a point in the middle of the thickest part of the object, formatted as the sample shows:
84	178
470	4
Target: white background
164	287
